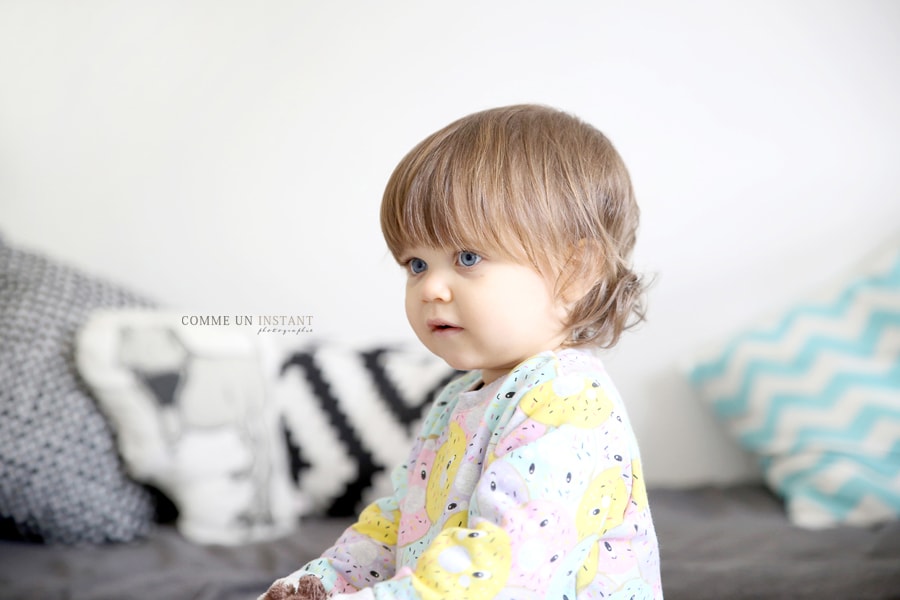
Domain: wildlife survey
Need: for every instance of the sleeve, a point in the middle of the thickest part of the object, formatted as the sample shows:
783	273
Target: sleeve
364	554
561	482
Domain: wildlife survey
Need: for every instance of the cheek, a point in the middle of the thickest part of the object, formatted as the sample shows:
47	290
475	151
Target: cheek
414	316
409	294
410	308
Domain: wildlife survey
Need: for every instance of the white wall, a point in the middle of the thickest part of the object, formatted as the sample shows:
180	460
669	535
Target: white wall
230	156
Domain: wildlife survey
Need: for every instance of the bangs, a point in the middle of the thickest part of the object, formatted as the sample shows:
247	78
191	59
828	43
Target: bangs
453	196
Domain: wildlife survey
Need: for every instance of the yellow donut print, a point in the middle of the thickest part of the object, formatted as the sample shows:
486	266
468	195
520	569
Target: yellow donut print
603	505
465	564
578	402
446	464
638	487
377	525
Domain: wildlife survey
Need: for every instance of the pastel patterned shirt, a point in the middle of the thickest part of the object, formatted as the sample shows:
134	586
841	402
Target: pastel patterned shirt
530	487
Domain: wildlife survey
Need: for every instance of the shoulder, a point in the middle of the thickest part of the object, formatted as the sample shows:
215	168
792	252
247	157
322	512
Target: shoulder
567	364
566	386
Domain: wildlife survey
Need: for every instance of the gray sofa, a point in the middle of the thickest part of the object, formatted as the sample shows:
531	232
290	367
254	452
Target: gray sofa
86	530
716	543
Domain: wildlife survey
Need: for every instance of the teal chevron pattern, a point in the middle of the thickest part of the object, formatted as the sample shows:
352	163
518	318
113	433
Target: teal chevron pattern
814	392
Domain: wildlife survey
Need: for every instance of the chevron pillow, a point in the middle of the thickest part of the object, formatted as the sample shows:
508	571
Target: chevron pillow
814	392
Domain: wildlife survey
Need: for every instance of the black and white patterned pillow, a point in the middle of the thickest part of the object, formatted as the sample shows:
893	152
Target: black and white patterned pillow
61	479
350	416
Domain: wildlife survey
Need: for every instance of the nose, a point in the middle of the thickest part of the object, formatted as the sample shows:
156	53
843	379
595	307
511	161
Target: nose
435	287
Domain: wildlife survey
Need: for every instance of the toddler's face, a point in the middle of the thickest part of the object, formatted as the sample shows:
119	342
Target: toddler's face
478	312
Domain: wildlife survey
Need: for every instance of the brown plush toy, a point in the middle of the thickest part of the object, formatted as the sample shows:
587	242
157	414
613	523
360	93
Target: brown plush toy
309	587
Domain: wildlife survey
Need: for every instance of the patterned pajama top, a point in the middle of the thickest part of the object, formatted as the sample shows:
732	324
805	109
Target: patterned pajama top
529	487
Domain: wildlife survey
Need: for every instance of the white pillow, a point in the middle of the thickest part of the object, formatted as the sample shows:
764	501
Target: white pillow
193	417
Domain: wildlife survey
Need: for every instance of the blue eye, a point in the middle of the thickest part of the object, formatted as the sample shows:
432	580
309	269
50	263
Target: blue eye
468	259
417	265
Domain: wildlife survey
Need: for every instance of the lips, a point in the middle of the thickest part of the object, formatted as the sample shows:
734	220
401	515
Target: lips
442	326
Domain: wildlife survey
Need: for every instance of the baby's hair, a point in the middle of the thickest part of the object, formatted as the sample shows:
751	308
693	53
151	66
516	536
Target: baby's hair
536	185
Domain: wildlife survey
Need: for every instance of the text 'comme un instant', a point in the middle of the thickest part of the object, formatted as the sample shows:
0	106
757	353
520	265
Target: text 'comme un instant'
283	324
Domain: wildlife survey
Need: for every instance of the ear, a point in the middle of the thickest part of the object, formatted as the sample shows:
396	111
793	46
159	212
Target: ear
582	270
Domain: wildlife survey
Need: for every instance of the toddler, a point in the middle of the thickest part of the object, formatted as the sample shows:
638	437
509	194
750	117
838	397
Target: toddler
515	228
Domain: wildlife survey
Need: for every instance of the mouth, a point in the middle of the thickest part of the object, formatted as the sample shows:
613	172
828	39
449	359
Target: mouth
441	326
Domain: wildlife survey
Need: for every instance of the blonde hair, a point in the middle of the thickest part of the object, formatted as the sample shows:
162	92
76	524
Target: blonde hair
536	185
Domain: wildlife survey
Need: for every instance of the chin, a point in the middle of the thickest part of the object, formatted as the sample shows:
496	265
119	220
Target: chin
456	362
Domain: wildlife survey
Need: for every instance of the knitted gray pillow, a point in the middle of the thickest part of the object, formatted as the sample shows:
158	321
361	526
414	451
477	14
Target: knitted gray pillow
61	479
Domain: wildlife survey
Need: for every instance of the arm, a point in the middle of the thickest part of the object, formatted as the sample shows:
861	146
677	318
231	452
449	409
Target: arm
366	552
559	493
559	484
362	556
